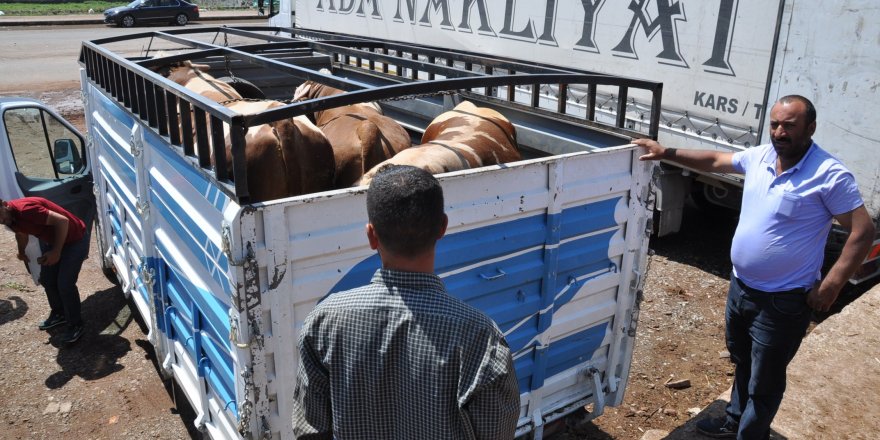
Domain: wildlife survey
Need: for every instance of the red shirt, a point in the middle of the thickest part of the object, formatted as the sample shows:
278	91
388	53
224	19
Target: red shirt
29	215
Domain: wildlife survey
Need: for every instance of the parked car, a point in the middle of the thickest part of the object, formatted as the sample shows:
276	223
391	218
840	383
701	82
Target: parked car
177	12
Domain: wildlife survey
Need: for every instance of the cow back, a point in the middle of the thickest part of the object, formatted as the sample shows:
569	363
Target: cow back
360	135
482	135
286	158
465	137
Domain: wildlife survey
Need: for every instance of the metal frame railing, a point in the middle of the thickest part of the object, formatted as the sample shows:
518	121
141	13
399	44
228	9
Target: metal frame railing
405	70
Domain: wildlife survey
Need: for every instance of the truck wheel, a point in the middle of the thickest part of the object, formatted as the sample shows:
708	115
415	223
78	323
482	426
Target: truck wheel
127	21
181	19
244	87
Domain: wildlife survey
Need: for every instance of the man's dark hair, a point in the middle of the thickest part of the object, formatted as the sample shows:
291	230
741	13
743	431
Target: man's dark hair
405	207
811	109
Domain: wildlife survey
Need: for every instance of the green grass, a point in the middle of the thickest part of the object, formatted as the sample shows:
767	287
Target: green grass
15	286
71	8
59	8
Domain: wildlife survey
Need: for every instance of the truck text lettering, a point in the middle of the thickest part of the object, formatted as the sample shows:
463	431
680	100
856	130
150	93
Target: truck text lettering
719	103
647	19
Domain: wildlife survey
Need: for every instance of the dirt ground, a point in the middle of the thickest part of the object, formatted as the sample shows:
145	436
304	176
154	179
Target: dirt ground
107	385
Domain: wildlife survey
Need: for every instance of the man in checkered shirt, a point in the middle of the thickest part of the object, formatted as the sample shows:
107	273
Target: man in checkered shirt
400	358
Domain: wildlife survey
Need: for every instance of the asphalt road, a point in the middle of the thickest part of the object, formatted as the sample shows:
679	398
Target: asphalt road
45	57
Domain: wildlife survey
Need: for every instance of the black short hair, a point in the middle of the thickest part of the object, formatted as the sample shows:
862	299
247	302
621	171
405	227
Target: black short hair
811	109
405	207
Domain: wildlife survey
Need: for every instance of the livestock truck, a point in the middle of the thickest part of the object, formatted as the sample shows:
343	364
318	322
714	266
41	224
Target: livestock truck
723	64
552	247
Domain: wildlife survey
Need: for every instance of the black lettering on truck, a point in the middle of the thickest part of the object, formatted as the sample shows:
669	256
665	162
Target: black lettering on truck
588	34
668	13
718	103
346	6
483	10
719	62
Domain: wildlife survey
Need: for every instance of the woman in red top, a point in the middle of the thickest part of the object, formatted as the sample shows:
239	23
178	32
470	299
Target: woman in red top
64	241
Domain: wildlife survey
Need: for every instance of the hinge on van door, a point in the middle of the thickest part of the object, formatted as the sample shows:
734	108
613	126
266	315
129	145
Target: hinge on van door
143	208
226	247
135	144
148	276
235	332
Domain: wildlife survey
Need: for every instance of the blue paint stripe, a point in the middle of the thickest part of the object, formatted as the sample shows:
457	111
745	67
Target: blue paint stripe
528	286
199	182
116	111
212	260
185	296
580	257
115	153
575	349
181	330
525	368
220	374
584	219
466	248
212	376
120	196
198	321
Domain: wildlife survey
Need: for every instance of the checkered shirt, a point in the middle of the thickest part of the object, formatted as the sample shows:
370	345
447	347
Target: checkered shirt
401	359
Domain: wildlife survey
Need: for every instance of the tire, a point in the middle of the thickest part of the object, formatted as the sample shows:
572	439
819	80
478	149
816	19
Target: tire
244	87
181	20
127	21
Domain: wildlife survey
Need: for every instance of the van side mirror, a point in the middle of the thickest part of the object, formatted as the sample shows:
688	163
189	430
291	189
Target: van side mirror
67	158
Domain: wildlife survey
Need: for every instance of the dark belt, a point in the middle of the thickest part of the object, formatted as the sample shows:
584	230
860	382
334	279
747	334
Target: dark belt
797	291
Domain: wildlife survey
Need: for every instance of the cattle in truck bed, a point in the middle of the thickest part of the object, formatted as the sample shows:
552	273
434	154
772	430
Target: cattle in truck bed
361	136
284	158
465	137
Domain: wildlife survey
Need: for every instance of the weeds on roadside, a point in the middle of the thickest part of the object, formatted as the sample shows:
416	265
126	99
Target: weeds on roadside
13	285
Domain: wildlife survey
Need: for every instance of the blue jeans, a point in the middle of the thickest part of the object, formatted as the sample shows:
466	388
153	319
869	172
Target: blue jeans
764	331
59	280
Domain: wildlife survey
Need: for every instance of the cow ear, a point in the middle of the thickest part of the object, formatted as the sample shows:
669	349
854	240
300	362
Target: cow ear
302	91
201	67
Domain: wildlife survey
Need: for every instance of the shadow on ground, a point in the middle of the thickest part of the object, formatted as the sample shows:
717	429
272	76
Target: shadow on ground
688	431
12	308
106	315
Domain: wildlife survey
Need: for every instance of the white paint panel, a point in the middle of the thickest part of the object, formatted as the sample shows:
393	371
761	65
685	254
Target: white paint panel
712	56
316	240
833	58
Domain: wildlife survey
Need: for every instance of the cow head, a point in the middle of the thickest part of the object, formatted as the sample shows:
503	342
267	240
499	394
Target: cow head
185	71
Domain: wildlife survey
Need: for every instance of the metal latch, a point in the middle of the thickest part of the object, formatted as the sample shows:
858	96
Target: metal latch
142	208
135	144
226	247
234	331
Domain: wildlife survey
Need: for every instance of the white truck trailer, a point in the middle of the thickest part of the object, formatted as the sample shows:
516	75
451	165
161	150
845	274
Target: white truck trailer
553	247
723	64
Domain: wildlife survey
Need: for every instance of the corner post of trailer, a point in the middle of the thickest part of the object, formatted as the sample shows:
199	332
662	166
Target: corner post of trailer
245	325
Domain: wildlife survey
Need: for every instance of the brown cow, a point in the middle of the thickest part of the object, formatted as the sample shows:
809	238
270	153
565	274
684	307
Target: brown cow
360	135
465	137
286	158
196	78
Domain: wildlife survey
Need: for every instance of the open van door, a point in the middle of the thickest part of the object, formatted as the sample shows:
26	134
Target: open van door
43	155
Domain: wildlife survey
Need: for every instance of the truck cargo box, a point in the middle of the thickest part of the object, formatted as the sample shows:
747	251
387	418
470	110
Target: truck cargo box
553	247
